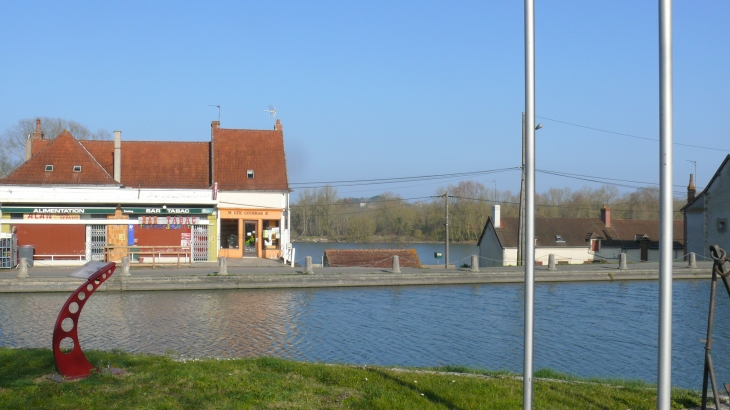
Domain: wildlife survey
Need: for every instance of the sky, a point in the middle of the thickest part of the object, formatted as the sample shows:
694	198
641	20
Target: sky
385	89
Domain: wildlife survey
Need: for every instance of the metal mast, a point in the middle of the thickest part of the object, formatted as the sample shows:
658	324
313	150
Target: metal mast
664	378
529	253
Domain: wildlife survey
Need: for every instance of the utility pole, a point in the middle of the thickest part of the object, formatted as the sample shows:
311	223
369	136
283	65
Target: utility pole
521	227
446	261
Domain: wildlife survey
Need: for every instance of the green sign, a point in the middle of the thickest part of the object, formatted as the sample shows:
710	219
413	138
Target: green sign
70	210
438	255
166	211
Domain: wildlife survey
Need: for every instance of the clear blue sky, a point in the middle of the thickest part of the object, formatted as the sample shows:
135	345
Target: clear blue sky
382	89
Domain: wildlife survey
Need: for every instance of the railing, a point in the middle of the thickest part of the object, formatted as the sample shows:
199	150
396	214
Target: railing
149	255
57	258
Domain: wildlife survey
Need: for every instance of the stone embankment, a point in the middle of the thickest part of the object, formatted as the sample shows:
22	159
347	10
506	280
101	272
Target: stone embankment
259	274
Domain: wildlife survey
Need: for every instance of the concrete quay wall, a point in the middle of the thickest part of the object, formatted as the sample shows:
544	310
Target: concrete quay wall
278	278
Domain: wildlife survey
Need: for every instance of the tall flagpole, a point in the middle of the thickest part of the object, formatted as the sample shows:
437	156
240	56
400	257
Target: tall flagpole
664	378
529	252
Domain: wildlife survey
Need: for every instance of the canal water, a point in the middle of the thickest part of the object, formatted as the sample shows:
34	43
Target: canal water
458	253
604	329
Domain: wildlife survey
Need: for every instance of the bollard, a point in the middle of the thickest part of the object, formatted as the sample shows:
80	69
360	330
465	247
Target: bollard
692	260
551	262
125	266
622	261
23	266
474	263
396	264
308	265
222	266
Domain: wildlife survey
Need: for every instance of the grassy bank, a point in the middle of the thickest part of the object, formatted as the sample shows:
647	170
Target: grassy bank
156	382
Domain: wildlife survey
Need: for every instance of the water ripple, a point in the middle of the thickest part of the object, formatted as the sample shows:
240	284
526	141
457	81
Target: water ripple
588	329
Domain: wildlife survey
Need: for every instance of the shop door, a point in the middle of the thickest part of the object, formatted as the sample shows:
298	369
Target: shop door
249	230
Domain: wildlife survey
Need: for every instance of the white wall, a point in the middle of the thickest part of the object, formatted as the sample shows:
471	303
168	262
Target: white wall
247	199
89	196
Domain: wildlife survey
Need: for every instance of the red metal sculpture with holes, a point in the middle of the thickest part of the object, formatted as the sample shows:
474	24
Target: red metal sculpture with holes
72	363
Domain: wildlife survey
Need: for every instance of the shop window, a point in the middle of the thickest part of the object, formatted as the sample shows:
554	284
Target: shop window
229	233
272	234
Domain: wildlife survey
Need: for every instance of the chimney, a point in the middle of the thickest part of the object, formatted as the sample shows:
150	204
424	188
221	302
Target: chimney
118	156
606	216
496	216
214	126
691	189
37	134
28	147
277	126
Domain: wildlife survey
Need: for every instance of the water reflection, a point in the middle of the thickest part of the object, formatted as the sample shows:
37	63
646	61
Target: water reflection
588	329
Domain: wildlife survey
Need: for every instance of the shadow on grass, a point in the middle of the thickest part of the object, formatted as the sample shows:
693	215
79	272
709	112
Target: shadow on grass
22	366
434	398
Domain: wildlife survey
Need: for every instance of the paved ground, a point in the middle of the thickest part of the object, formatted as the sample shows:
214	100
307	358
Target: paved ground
252	266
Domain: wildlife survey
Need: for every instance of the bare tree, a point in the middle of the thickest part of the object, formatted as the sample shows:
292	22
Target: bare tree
12	140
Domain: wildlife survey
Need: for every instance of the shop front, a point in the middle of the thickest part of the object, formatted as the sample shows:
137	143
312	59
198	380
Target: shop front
250	233
168	234
59	234
83	234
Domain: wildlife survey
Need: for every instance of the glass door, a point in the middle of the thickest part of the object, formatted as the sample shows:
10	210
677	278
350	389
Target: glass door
249	230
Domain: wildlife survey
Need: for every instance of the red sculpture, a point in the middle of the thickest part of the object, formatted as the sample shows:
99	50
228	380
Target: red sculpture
72	363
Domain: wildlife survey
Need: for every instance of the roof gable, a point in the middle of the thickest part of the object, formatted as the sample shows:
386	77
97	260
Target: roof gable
68	163
238	151
701	196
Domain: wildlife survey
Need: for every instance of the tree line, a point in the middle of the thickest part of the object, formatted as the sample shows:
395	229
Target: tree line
321	213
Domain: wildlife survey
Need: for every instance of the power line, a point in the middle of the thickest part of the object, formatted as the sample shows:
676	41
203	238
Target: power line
380	181
629	135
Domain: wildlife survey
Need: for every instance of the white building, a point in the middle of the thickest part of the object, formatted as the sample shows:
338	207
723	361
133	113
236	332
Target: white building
575	240
75	201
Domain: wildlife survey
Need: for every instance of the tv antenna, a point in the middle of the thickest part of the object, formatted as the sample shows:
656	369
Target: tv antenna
219	110
271	111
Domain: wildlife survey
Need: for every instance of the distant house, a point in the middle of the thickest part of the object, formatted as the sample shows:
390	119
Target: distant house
575	240
706	215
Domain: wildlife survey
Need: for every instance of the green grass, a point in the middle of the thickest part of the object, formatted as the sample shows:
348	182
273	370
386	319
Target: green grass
159	382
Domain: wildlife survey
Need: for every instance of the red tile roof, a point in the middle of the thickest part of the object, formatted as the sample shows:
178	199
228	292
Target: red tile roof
371	258
237	151
63	153
165	164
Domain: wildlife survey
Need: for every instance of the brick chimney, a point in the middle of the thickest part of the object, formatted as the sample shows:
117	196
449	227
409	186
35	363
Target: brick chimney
37	134
277	126
691	189
606	216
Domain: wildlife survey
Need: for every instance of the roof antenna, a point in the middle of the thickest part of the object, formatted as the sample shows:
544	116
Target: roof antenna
271	111
219	110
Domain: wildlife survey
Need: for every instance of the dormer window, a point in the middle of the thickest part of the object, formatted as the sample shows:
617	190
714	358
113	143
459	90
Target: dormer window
49	168
77	168
559	238
249	173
